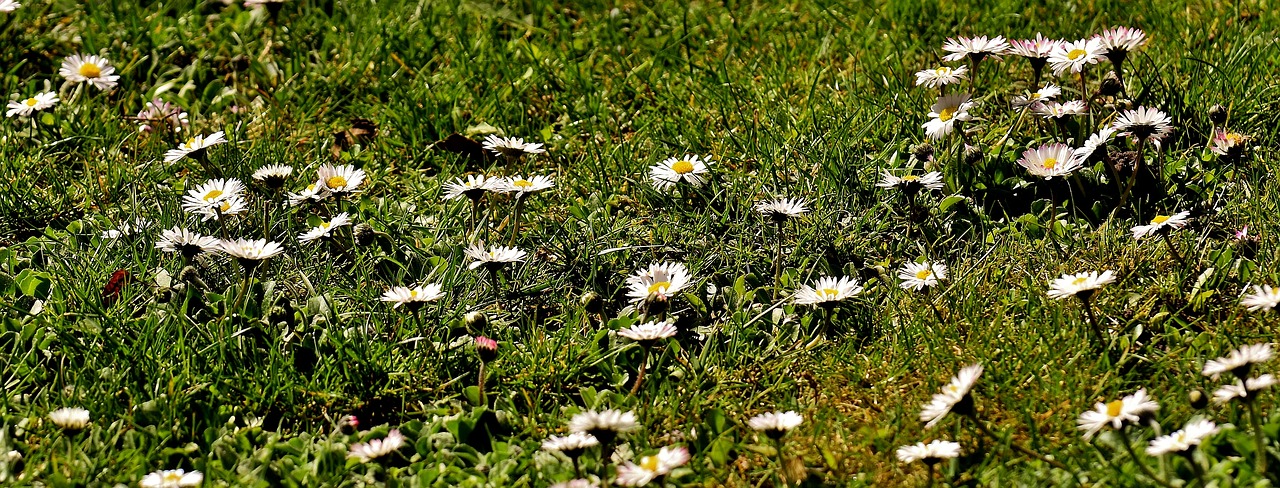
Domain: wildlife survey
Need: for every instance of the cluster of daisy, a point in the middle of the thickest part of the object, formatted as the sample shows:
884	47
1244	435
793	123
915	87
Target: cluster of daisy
75	419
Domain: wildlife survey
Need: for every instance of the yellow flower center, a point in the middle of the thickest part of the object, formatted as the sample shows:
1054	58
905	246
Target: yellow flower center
1076	54
649	463
90	70
1113	408
171	478
335	182
829	292
1231	138
326	225
924	274
1050	163
225	206
682	167
413	294
311	187
1160	219
1079	281
944	70
946	114
659	287
523	183
910	178
213	194
31	102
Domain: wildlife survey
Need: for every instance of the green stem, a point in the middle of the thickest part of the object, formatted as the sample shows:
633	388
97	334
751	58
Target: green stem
1133	177
640	374
1093	321
515	219
480	385
777	267
1255	421
1172	249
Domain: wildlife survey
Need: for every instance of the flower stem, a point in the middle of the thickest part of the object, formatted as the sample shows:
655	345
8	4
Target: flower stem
1133	177
644	360
1093	321
777	267
515	219
1255	421
480	385
982	427
1173	250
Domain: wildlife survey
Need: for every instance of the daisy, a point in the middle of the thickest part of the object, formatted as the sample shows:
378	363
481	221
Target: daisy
954	396
88	68
1050	160
930	454
1095	141
1182	440
648	333
1226	144
1143	123
651	467
1245	391
376	448
775	424
312	193
571	445
941	76
912	184
918	276
250	252
494	257
604	425
1055	110
473	187
340	179
511	147
1116	414
325	229
1080	285
975	48
414	297
1263	298
782	209
1049	92
521	186
228	207
945	112
158	112
486	348
1116	43
126	229
1238	362
1162	224
171	478
828	291
70	418
214	198
9	5
657	283
1074	56
1035	50
24	108
194	146
190	244
690	169
273	175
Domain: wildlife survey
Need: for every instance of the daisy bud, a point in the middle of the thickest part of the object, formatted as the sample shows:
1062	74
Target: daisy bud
1110	86
363	234
476	319
190	274
973	154
1218	114
487	348
591	302
1198	400
922	151
349	424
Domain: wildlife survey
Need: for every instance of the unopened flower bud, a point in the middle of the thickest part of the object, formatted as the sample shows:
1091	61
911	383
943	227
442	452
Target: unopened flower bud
1198	400
476	319
592	303
487	348
363	234
973	154
1218	114
1110	86
922	151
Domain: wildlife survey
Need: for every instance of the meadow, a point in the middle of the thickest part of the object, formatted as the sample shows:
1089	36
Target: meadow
579	244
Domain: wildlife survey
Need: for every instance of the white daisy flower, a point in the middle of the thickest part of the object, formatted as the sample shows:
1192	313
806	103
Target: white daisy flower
171	478
70	418
1262	298
918	276
24	108
511	147
158	112
782	209
340	179
211	195
89	68
188	243
249	252
312	193
521	186
412	297
657	283
325	229
1074	56
931	453
775	424
1050	160
571	444
603	425
1056	110
912	183
1116	414
1244	390
1238	362
472	187
376	448
976	48
493	257
941	76
1049	92
956	392
228	207
1225	143
828	291
651	467
1082	285
125	229
1143	123
1194	433
194	145
1035	49
690	169
9	5
649	332
1120	40
1095	141
945	112
273	175
1162	223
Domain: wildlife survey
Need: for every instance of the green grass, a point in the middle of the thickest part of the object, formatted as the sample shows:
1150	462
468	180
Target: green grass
807	99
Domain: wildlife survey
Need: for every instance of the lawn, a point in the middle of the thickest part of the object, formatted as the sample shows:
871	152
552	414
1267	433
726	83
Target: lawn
457	243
